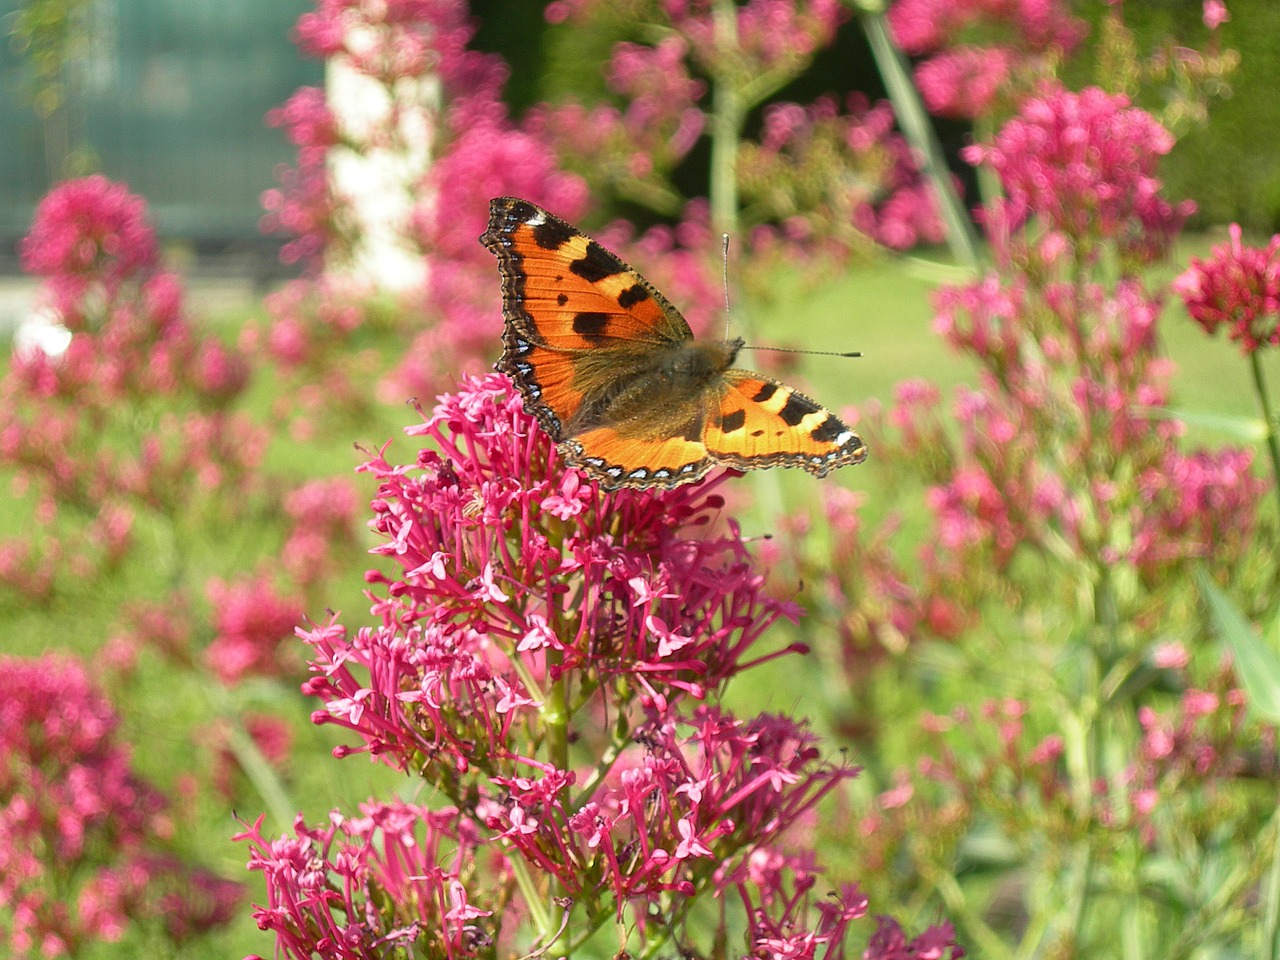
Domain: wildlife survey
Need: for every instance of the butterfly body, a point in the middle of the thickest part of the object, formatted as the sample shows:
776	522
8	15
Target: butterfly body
613	372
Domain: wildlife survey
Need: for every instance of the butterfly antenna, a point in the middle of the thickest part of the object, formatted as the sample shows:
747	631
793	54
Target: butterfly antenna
814	353
725	260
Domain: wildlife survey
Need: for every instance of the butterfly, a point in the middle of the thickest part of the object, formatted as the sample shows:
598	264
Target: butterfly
613	373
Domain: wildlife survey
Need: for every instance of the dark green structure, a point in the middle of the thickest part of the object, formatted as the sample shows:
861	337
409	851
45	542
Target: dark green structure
169	97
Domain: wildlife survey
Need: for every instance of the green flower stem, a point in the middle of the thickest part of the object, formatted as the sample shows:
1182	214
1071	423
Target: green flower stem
256	767
918	129
539	916
1269	942
1268	414
726	126
555	714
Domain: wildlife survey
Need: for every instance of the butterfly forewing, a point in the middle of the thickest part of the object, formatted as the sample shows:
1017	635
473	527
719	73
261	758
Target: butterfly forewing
564	290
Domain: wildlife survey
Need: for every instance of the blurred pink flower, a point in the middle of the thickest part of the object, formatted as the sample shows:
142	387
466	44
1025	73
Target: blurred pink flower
963	82
80	832
1215	14
1085	163
254	626
1237	287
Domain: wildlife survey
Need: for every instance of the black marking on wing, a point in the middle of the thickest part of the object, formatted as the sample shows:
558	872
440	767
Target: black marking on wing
632	295
796	409
733	421
590	324
551	234
596	264
766	391
828	430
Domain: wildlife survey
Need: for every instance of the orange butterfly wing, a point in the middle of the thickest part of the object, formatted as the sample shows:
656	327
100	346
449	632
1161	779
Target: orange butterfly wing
612	372
573	311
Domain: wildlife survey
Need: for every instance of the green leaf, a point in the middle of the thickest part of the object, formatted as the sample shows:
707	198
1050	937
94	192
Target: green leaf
1247	429
917	127
1256	665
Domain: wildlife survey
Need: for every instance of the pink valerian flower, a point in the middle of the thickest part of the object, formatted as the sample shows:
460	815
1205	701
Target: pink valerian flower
964	82
133	415
254	625
633	598
1084	164
870	603
398	875
1090	367
798	180
88	232
1215	14
323	514
1197	505
675	815
924	26
162	889
1236	287
312	337
770	35
962	77
397	44
306	205
79	859
1192	749
890	943
631	149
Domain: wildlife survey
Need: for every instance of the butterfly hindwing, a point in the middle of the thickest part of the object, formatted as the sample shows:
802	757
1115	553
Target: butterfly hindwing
619	460
756	421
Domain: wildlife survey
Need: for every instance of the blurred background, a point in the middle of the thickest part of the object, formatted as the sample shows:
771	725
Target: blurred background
169	98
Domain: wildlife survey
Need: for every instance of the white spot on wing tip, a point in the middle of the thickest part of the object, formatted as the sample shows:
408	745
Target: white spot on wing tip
537	220
844	438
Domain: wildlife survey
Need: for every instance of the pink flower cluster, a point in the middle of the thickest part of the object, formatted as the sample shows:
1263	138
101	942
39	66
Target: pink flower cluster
1236	288
133	415
683	805
323	514
528	604
769	35
1194	748
401	45
398	853
631	149
799	176
81	836
89	232
254	624
397	43
878	609
305	205
502	549
966	77
1085	165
